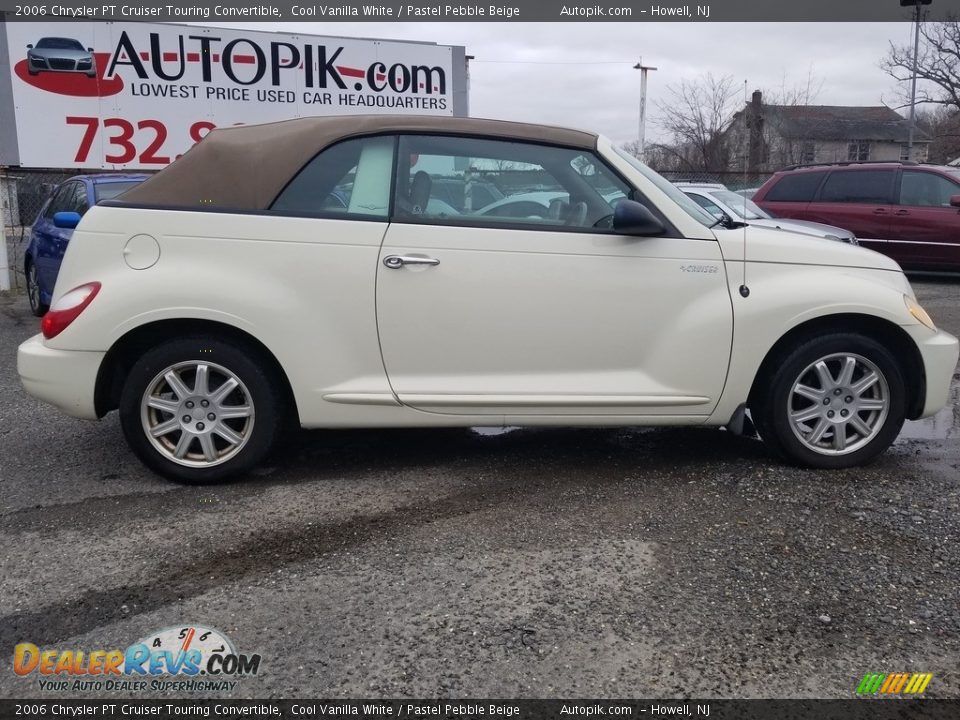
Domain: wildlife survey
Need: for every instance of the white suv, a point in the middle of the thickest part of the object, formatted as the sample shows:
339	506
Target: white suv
720	202
295	272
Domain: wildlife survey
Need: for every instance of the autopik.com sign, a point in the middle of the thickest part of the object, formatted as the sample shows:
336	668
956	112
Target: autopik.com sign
137	95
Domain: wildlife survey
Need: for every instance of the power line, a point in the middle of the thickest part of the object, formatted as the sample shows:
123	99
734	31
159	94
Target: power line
543	62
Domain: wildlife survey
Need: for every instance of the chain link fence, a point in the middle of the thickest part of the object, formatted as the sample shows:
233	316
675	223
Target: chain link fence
22	195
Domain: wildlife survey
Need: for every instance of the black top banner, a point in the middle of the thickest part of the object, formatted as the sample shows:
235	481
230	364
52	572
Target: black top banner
467	11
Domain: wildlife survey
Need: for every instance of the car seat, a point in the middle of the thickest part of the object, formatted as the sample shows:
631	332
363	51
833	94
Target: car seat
420	188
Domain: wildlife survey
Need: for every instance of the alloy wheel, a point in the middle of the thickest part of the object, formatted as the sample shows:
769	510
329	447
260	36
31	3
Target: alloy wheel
838	404
197	413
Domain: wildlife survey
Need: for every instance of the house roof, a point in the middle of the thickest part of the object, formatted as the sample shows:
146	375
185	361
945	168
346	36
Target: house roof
839	122
245	167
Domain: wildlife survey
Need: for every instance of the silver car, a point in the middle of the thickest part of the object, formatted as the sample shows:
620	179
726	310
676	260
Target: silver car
716	199
60	55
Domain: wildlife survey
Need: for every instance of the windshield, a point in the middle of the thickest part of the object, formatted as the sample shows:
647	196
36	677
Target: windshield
59	44
688	205
745	209
108	191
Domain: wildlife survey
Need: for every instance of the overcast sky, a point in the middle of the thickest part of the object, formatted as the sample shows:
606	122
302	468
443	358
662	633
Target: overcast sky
605	97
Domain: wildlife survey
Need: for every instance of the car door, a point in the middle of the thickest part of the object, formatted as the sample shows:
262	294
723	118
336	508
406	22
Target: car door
924	226
534	316
77	200
860	200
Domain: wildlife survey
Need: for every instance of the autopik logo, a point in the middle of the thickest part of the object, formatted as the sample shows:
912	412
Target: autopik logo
245	62
186	658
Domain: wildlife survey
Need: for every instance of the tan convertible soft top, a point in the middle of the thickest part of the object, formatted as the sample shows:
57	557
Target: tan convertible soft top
244	168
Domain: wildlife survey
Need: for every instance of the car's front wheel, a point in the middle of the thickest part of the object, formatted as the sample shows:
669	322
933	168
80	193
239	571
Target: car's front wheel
37	307
199	410
834	401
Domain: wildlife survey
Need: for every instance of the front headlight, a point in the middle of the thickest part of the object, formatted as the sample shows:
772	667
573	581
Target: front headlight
918	312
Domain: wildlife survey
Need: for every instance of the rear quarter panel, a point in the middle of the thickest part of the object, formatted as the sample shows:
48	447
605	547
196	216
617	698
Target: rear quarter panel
303	287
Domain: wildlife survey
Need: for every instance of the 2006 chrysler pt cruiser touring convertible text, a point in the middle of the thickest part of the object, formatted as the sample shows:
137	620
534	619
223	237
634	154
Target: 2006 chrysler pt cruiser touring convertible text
301	272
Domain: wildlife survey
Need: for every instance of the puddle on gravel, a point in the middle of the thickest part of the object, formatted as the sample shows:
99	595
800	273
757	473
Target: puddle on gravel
942	426
945	425
494	430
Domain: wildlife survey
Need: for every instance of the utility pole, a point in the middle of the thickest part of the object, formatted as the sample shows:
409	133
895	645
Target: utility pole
643	103
913	80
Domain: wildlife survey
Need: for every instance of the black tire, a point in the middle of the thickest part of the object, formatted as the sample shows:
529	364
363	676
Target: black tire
776	401
33	292
258	388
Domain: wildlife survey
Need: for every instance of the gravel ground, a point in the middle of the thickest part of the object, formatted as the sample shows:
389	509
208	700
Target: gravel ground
528	563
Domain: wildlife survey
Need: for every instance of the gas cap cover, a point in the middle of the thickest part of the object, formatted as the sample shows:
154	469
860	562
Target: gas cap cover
141	252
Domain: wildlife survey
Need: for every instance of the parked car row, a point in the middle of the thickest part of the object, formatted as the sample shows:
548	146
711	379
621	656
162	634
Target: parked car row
907	211
720	202
325	291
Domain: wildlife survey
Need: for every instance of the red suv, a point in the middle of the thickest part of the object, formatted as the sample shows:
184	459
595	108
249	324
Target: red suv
908	211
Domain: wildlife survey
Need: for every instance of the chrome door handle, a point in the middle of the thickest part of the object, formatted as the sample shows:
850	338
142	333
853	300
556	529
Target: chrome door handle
395	262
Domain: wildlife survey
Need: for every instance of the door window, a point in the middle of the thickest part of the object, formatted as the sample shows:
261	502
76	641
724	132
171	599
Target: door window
924	189
503	183
349	179
708	205
858	186
800	187
76	200
61	199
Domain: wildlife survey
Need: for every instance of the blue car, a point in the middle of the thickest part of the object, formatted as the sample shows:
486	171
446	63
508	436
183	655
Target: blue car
54	226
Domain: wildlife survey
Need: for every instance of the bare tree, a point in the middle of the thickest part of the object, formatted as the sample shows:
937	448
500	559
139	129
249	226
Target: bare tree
802	93
658	156
943	125
938	64
697	115
633	147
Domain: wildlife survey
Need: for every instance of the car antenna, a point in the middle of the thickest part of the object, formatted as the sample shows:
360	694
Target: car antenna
744	289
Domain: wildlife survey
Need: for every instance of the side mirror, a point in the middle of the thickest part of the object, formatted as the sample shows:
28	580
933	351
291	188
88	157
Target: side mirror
955	200
30	47
633	218
66	219
89	49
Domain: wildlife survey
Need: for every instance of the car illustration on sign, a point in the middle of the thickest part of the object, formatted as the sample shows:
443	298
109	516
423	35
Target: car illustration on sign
56	54
215	314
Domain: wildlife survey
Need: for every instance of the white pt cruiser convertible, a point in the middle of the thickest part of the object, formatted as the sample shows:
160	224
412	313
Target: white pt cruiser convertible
302	272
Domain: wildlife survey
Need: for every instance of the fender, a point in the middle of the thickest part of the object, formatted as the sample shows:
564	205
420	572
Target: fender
782	297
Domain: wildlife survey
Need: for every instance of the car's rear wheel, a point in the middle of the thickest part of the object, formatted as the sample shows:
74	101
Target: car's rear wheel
37	307
835	401
198	410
